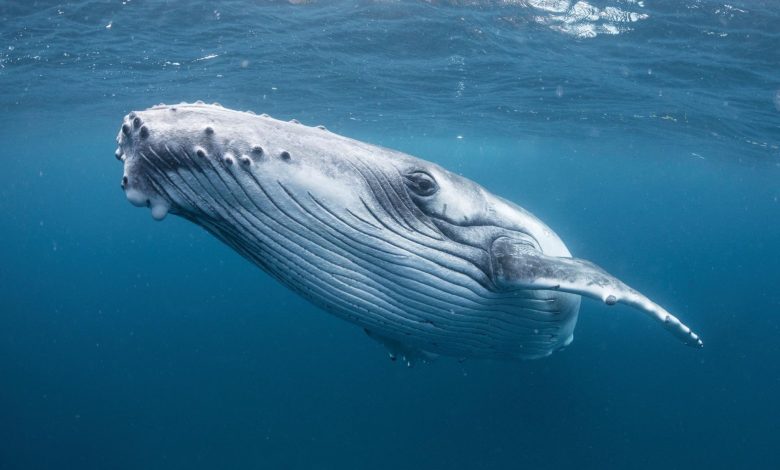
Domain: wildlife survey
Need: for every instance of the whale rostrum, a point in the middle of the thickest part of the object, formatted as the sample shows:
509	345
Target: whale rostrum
427	262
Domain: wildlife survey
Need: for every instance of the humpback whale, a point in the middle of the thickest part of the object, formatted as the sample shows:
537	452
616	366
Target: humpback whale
427	262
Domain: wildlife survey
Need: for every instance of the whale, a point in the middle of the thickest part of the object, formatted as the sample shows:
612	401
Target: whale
425	261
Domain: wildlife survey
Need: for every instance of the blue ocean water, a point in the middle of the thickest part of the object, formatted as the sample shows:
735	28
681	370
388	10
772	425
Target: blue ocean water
645	133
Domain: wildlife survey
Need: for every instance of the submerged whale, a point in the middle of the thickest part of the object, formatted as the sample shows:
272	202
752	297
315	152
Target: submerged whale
425	261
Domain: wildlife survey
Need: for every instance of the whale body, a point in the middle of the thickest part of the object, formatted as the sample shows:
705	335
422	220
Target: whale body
426	261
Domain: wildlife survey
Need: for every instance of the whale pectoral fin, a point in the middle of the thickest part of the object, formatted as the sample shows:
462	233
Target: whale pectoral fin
518	264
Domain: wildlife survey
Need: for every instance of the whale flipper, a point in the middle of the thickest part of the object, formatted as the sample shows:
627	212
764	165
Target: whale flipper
519	264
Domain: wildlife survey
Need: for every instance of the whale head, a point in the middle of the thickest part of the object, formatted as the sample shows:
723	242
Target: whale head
203	162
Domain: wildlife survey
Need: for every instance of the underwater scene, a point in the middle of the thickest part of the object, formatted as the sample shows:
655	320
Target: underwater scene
389	234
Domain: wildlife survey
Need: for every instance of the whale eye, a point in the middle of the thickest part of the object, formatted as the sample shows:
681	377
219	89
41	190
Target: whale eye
421	183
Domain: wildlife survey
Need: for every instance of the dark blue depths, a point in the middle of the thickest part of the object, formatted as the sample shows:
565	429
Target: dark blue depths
126	343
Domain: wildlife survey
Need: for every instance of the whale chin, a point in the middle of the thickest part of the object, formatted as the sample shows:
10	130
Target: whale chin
159	207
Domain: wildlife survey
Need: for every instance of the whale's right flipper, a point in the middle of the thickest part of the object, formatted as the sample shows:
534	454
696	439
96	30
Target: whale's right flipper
519	264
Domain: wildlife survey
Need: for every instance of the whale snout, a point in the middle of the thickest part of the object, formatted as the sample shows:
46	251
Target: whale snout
190	159
138	180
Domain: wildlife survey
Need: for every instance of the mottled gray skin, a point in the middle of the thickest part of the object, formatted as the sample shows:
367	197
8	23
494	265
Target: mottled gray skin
426	261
